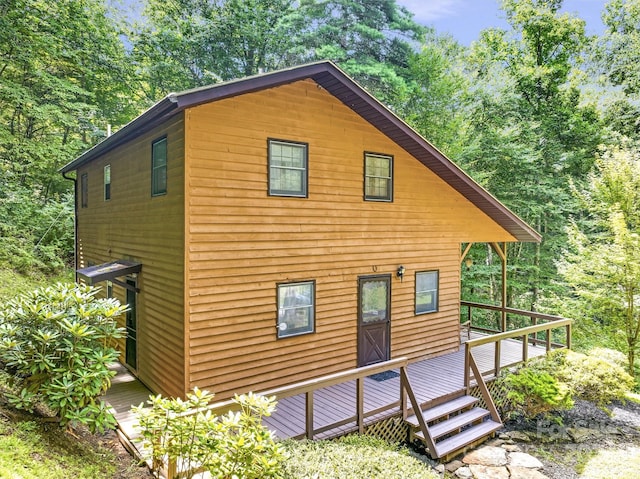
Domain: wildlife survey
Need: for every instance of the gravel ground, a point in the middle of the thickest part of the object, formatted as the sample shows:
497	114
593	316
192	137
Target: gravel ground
565	447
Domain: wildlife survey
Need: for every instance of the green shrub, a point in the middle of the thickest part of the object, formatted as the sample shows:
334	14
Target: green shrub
236	445
595	378
353	457
532	392
57	344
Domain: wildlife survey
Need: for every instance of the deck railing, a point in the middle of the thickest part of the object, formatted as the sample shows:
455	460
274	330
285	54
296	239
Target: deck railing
534	317
525	335
308	388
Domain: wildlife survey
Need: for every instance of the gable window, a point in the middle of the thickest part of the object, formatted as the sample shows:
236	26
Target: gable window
426	292
159	167
296	308
84	190
107	182
288	168
378	177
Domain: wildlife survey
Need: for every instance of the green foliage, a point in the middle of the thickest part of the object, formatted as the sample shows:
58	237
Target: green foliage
551	383
532	392
355	457
596	377
233	445
36	235
602	264
57	343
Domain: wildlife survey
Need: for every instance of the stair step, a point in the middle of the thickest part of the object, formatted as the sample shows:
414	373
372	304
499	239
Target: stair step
458	421
443	410
466	437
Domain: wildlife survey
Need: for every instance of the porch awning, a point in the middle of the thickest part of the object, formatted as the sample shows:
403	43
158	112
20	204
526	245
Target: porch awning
108	271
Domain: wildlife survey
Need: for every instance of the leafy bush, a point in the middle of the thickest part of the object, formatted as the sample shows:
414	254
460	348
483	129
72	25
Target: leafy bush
532	392
235	445
595	378
355	457
57	344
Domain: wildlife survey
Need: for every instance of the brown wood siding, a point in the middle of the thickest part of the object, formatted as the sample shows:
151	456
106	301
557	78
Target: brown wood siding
241	242
133	225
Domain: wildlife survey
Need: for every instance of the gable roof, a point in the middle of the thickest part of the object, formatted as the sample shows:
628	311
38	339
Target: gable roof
339	84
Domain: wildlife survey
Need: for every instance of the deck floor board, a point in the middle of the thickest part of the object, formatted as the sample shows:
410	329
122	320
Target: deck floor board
431	379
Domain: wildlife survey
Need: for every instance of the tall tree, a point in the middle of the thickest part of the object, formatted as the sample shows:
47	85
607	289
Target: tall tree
603	264
372	40
188	43
531	131
61	72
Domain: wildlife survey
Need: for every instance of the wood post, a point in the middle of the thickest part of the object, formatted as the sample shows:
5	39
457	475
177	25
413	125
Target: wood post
309	414
360	404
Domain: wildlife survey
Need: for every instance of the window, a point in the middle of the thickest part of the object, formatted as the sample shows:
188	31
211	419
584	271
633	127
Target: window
378	177
107	182
426	292
159	167
296	308
287	168
84	190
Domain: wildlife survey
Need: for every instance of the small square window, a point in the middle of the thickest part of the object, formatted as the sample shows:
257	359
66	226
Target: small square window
296	308
378	177
159	167
287	168
426	292
84	190
107	182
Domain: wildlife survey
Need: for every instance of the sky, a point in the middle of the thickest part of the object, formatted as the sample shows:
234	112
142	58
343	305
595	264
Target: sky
464	19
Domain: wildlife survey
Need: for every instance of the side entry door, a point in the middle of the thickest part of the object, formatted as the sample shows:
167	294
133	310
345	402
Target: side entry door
374	319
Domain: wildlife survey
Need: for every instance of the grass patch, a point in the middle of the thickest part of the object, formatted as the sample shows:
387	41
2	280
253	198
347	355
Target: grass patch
31	449
12	283
612	464
355	457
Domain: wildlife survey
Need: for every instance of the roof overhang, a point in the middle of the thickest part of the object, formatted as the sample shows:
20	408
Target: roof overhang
339	84
108	271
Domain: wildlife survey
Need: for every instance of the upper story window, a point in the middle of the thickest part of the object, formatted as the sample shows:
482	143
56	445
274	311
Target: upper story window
159	167
426	292
378	177
84	190
107	182
288	172
296	308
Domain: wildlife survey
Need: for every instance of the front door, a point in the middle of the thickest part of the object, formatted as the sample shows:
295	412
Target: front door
131	346
374	319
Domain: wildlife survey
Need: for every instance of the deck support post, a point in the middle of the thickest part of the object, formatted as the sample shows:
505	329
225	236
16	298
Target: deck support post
501	250
360	405
309	414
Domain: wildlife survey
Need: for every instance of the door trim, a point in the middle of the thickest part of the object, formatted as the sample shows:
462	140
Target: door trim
384	325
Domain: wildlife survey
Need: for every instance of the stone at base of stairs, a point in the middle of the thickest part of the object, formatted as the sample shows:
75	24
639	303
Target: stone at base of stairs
497	462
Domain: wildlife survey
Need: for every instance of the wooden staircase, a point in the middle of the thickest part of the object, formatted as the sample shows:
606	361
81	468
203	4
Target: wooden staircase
453	426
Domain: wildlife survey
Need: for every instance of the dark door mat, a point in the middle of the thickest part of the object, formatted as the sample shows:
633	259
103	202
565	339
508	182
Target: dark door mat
384	376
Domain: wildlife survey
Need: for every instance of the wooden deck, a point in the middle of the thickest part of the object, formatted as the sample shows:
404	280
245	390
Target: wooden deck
434	381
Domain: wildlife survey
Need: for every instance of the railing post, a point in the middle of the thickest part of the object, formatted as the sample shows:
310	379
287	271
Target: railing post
535	335
403	395
360	405
525	348
309	415
568	336
548	340
467	353
497	358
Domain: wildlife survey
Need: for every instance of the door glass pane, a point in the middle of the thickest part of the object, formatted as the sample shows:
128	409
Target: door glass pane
374	301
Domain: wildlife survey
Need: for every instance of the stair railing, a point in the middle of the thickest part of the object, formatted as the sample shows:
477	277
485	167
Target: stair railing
407	390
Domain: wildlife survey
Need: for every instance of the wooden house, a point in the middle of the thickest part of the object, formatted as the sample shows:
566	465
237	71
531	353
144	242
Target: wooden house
278	228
